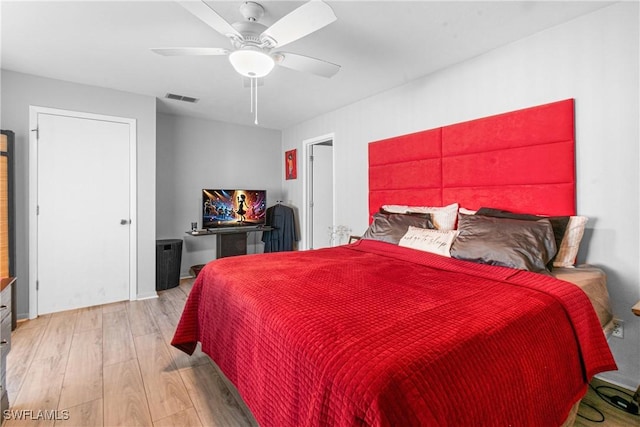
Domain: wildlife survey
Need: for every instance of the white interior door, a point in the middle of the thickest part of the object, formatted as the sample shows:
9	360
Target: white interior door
83	211
321	194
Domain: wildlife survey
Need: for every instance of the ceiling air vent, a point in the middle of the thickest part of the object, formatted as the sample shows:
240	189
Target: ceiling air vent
181	98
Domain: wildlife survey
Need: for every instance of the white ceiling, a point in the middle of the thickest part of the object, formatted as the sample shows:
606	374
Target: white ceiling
379	44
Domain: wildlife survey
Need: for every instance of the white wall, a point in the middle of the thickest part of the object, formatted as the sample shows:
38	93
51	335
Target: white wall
593	59
19	91
193	154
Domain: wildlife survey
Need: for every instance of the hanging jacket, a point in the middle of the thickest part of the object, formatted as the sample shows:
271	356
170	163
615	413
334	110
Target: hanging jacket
284	233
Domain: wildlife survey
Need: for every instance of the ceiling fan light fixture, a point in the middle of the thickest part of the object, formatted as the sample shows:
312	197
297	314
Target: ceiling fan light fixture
251	63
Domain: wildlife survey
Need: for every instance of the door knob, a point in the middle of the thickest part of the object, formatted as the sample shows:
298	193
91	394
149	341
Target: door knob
125	221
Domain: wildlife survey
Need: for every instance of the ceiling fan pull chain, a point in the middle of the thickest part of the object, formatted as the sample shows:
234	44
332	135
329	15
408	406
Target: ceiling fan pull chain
256	100
251	84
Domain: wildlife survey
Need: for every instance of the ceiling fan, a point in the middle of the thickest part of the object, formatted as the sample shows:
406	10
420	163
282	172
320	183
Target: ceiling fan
252	43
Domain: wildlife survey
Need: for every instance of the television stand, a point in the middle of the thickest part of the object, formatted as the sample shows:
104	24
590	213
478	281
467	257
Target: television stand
230	241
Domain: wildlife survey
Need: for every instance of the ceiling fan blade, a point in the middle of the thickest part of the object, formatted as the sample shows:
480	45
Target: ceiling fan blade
306	63
202	11
190	51
303	21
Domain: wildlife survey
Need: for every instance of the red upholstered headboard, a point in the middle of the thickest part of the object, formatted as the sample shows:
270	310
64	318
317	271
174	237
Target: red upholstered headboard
523	161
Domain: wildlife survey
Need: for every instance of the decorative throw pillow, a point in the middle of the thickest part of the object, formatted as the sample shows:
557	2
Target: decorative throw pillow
391	227
568	250
434	241
521	244
443	218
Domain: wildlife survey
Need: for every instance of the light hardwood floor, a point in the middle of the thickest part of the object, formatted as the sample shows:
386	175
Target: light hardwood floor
112	365
613	417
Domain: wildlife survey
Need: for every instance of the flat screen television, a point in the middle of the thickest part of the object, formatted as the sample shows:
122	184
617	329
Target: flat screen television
233	208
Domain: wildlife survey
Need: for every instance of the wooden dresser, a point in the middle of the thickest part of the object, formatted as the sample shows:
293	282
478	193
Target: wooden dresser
5	338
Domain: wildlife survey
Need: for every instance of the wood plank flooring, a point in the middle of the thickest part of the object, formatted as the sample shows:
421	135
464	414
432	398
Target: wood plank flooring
112	365
613	417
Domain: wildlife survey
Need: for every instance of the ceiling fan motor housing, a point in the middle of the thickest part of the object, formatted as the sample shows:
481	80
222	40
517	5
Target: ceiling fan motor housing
252	11
250	31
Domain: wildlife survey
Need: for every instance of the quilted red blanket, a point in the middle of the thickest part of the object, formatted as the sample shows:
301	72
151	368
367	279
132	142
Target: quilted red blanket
380	335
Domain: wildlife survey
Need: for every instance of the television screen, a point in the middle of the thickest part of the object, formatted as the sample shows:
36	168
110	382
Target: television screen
233	208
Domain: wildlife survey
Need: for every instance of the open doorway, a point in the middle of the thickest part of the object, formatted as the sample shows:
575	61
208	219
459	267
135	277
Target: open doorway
319	192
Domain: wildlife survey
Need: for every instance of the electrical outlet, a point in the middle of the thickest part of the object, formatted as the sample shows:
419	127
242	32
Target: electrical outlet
618	328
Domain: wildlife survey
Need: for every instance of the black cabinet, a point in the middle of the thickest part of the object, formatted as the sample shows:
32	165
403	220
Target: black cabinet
230	241
231	244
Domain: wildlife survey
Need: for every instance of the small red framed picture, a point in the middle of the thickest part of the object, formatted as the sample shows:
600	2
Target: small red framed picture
290	164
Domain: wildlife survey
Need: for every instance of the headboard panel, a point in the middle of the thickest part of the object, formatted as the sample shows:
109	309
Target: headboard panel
522	161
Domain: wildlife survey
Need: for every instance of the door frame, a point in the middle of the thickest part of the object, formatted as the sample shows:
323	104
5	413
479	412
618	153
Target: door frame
307	182
33	196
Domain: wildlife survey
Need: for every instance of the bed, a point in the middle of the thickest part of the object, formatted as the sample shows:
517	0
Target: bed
380	333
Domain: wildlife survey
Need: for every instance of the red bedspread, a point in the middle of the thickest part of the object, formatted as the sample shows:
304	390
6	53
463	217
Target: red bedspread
376	334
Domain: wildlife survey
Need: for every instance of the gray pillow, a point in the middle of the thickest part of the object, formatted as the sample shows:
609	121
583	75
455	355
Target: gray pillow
521	244
559	223
391	227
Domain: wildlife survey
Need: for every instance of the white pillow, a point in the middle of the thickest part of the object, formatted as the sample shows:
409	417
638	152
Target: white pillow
443	218
568	250
424	239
